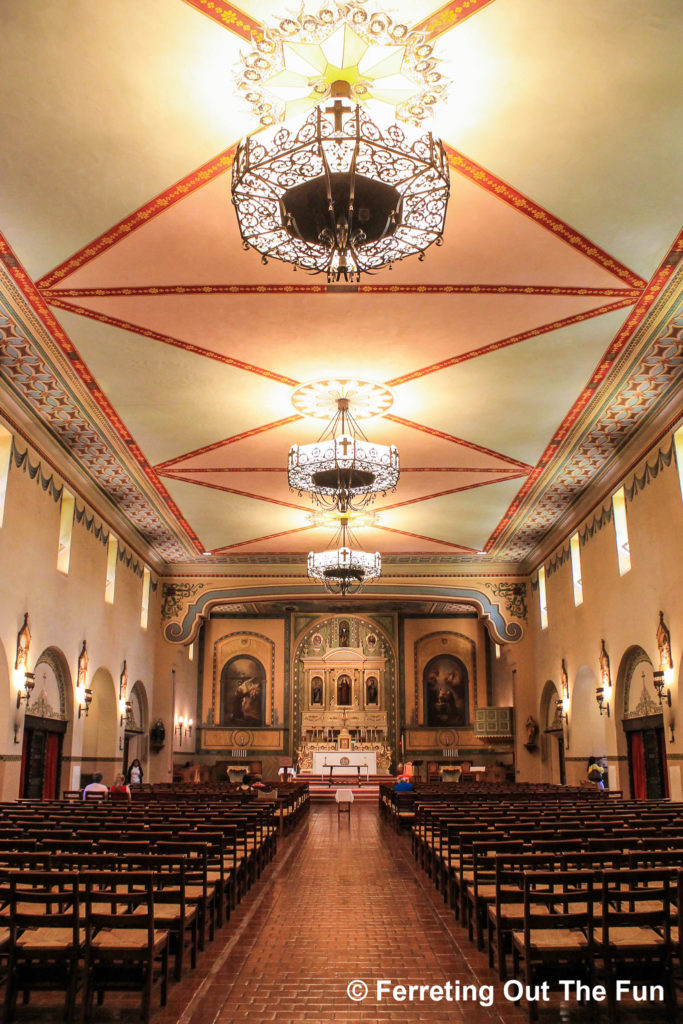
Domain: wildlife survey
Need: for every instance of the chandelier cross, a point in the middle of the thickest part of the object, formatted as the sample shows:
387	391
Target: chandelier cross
337	109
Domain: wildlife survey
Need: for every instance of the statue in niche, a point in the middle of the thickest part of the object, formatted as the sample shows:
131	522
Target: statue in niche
605	675
316	690
344	691
664	644
371	692
531	733
343	633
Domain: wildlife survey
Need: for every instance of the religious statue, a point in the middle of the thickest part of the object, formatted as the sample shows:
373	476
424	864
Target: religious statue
371	691
23	646
664	645
82	667
316	691
344	634
605	675
531	732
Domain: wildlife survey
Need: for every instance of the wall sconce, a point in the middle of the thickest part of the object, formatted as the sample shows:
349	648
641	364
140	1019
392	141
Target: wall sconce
659	679
183	728
26	688
672	735
563	708
84	699
602	699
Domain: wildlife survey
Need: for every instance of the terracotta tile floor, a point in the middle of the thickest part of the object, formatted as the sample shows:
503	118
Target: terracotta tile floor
343	900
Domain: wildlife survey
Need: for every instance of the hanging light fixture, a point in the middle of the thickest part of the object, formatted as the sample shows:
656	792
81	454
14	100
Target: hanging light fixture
338	195
341	568
342	470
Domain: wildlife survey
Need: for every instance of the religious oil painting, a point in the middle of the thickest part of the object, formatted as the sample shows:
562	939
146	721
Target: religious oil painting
243	692
316	690
446	691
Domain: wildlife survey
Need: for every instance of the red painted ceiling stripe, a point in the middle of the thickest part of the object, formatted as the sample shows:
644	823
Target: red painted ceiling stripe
256	540
155	206
452	490
35	299
419	536
170	463
167	339
457	440
322	289
232	490
499	188
229	17
634	321
514	339
450	15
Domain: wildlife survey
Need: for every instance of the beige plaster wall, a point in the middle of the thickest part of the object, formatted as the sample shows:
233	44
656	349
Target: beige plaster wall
622	610
65	610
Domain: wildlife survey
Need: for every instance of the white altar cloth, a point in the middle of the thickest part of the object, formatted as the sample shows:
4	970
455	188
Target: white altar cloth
333	757
344	796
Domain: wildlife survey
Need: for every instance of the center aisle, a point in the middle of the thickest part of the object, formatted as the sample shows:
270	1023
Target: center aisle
342	902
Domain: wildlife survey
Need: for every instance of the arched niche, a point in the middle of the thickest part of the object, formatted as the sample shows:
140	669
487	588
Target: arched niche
552	735
641	721
101	728
586	724
136	727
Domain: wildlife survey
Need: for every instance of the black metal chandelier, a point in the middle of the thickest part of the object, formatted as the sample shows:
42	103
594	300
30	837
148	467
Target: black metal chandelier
342	470
341	568
339	195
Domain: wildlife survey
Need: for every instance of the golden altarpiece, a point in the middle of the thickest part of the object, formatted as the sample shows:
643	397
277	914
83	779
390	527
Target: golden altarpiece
345	688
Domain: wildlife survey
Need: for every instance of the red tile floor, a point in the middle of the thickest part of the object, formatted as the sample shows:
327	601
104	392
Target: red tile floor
342	901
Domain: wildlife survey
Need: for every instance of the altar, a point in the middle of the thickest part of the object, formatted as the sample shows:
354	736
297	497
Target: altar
323	760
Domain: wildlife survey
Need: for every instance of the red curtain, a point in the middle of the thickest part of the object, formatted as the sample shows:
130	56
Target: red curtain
638	766
51	766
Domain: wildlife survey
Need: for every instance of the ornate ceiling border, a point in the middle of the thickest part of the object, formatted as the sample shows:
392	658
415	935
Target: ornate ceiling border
86	427
616	403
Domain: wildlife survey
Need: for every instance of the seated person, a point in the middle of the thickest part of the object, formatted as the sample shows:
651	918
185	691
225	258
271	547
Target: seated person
120	791
96	786
403	785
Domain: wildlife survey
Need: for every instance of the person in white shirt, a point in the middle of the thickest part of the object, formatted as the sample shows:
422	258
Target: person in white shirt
96	786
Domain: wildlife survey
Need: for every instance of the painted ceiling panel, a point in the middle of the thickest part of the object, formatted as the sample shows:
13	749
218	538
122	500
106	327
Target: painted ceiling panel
467	518
568	102
389	335
169	399
107	105
196	241
517	396
229	518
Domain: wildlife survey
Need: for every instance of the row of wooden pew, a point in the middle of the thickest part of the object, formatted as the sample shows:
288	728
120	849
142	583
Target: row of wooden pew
102	895
562	886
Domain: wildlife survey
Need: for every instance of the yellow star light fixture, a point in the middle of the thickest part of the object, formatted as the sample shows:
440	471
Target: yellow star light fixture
336	193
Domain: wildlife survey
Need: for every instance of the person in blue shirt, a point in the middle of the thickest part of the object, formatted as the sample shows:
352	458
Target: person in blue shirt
403	785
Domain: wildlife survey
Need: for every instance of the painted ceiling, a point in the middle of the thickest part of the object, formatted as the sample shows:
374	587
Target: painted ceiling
516	352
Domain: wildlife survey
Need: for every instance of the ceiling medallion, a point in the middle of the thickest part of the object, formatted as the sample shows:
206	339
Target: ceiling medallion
388	67
342	470
318	398
341	568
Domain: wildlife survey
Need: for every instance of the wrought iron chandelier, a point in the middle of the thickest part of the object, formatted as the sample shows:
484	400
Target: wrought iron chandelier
342	470
339	195
341	568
